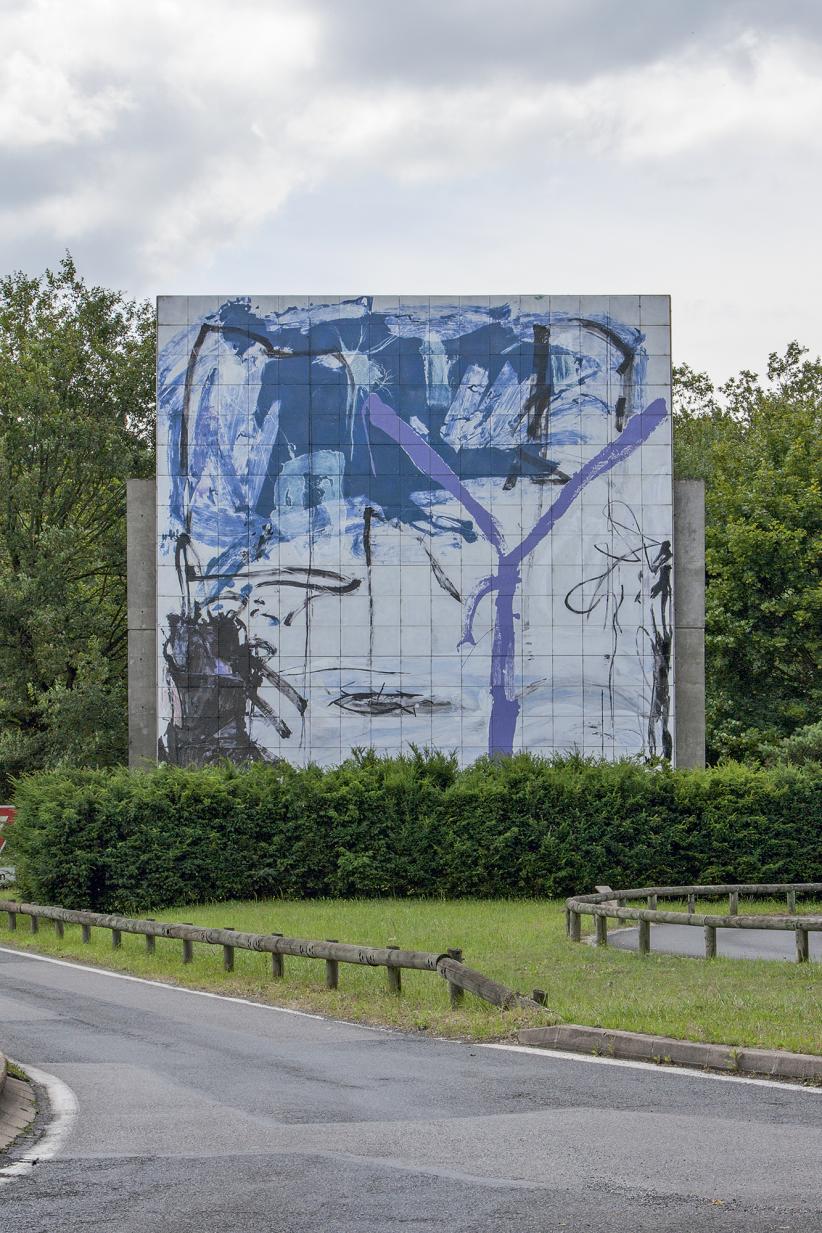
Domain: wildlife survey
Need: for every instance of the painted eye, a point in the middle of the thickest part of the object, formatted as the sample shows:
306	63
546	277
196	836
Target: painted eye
388	702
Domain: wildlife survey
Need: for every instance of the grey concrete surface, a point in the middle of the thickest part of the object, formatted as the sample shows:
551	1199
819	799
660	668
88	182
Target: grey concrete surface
731	943
643	1046
141	538
689	623
198	1114
17	1110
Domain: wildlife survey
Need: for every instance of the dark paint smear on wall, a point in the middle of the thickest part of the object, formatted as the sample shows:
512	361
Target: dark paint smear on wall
214	673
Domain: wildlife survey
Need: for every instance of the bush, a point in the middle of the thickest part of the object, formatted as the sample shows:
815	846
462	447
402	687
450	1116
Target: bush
802	747
133	840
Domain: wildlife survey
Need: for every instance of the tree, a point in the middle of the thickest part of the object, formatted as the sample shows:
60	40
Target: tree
757	446
76	416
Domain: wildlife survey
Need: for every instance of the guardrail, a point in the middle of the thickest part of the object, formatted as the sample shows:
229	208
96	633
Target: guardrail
448	965
610	903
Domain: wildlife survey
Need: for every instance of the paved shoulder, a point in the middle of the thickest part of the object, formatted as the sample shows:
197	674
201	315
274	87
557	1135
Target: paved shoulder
732	943
197	1113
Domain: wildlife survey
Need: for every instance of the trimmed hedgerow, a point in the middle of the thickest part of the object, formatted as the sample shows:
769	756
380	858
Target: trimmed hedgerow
129	841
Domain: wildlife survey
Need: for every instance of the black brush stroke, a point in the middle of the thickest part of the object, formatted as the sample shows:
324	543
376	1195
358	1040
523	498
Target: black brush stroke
380	702
661	644
368	514
286	689
440	574
660	637
538	404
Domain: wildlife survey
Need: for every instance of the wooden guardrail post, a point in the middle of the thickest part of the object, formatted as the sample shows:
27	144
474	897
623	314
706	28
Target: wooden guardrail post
644	937
228	953
652	900
150	940
85	933
12	921
59	928
606	890
602	930
116	939
733	903
332	970
277	962
394	976
710	941
574	925
791	901
34	924
691	904
801	946
455	994
188	946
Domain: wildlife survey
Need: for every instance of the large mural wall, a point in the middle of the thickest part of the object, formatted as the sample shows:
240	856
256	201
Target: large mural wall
439	521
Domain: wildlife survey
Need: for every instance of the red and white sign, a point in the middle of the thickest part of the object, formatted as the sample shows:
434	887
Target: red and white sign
7	813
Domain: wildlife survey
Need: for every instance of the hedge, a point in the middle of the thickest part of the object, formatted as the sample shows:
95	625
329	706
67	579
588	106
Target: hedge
119	840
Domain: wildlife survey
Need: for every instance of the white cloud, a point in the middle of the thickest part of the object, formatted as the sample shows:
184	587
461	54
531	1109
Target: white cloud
154	137
41	105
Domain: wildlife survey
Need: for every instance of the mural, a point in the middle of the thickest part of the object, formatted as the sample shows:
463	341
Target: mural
437	521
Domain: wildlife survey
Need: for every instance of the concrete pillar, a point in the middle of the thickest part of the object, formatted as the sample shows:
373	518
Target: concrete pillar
689	623
141	539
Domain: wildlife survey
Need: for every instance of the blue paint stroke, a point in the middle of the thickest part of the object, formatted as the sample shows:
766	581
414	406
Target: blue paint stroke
504	704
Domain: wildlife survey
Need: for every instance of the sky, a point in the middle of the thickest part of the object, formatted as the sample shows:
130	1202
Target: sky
427	147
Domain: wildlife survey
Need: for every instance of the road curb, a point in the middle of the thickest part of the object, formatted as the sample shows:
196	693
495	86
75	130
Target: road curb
17	1106
636	1046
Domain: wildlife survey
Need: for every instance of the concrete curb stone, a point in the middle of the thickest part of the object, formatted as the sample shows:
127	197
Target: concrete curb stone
637	1046
17	1106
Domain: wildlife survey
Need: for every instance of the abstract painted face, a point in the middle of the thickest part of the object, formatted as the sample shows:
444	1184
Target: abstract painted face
437	522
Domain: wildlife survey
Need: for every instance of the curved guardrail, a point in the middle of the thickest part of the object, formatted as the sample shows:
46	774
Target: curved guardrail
607	903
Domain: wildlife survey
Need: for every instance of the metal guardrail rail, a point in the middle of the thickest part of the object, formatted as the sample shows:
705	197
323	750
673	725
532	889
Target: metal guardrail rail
607	903
448	965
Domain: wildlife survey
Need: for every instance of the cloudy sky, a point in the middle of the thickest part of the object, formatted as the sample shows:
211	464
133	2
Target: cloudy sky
431	146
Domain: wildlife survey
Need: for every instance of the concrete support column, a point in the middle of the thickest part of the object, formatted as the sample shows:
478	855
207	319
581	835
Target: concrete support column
689	623
141	539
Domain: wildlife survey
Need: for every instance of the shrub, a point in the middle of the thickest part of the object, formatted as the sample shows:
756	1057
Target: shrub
802	747
132	840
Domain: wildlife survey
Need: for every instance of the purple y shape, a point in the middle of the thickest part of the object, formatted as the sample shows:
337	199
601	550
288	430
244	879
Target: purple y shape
504	703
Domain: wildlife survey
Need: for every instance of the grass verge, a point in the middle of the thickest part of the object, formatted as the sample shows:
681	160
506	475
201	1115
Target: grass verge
519	942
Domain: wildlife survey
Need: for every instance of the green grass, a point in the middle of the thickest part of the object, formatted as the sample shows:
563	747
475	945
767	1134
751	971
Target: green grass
521	943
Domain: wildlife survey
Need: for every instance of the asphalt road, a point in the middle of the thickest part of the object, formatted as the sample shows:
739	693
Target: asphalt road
199	1114
732	943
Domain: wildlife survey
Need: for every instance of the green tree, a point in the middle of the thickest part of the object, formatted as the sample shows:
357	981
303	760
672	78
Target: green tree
76	416
757	446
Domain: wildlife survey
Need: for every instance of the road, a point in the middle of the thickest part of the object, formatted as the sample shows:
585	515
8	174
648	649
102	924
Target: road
199	1114
731	943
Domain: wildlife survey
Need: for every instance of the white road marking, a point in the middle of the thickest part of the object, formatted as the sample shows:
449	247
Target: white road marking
657	1067
63	1106
162	984
560	1054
